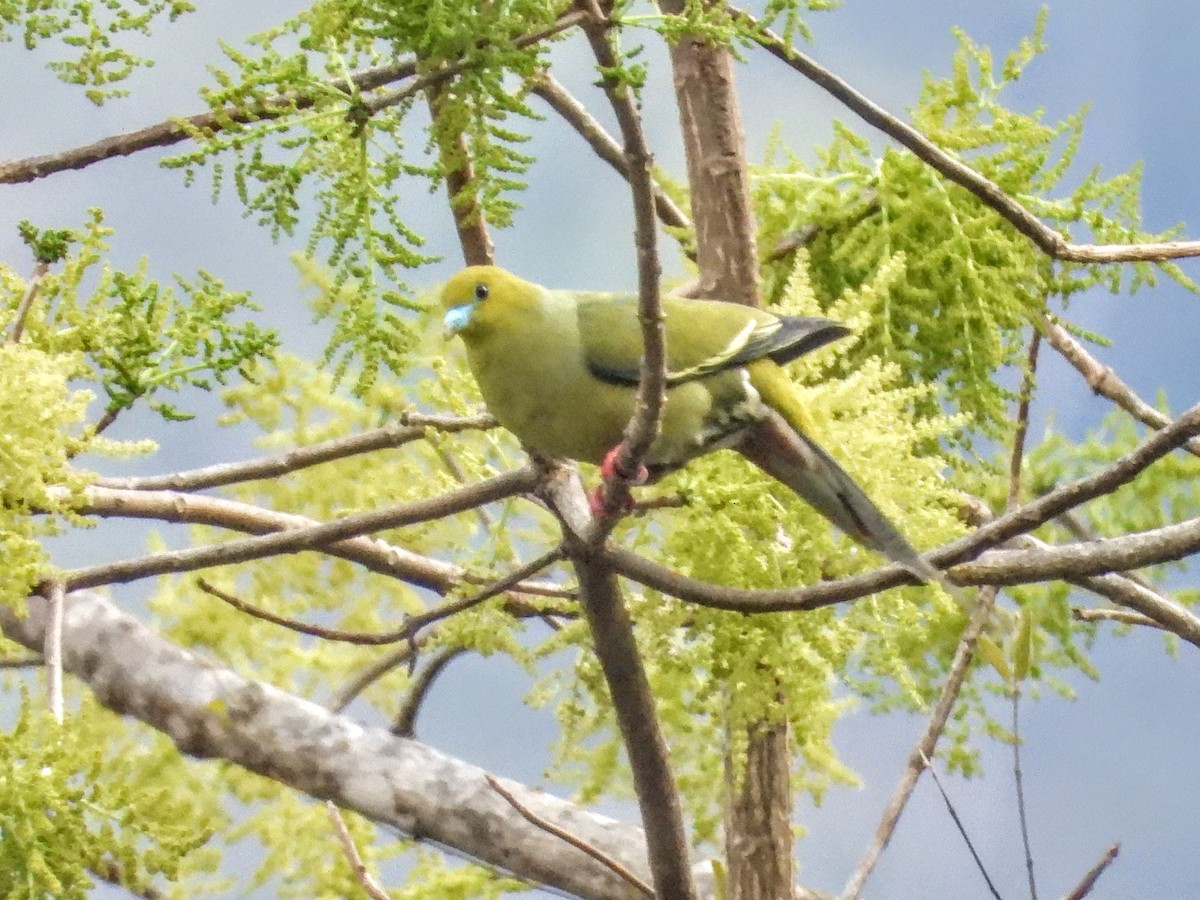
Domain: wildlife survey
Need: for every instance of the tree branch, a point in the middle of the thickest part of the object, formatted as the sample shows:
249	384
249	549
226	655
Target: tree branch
629	689
652	380
1088	881
405	723
553	829
295	540
602	143
370	884
178	129
1120	616
212	712
1104	556
411	427
925	747
1043	236
1103	380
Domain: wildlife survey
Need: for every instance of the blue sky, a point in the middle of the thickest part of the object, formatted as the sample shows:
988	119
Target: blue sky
1119	762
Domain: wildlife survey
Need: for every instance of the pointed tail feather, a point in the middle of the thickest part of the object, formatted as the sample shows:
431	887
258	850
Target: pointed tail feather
789	456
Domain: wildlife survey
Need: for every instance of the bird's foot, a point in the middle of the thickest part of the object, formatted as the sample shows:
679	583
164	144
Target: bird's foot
599	501
608	468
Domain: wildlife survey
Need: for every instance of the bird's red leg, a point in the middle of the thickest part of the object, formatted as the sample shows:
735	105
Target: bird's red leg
598	500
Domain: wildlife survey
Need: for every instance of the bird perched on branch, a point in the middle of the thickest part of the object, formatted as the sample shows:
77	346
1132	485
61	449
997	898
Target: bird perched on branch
560	370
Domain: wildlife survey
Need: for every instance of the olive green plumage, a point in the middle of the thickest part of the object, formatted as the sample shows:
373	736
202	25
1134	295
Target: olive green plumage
560	369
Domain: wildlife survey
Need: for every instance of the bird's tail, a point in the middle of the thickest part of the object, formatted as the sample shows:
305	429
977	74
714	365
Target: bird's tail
787	455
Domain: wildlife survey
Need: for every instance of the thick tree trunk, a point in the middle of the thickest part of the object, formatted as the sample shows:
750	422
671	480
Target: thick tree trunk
758	838
715	145
758	820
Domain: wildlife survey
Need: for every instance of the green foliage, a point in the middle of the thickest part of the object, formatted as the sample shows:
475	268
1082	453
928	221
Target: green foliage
48	246
141	339
38	412
90	28
82	799
303	131
295	404
971	283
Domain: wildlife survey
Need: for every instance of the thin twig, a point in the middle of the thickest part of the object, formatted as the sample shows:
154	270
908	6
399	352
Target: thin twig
21	662
1014	500
450	69
1022	429
1043	236
925	747
405	722
411	427
602	143
1104	381
959	825
1019	782
22	313
1120	616
179	129
377	670
1088	881
549	827
336	635
412	624
52	650
362	874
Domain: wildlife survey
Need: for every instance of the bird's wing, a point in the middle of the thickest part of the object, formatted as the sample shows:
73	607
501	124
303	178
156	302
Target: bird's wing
703	336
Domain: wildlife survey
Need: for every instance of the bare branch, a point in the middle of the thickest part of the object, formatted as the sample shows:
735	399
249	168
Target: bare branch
1071	561
1043	236
295	540
652	382
370	884
1161	545
629	689
1088	882
326	634
925	747
411	427
21	662
1018	448
405	723
412	624
602	143
52	650
1124	588
371	553
455	159
553	829
212	712
22	313
368	676
1121	616
962	830
178	129
1104	380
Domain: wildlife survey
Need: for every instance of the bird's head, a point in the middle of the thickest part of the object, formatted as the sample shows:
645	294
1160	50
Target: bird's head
481	297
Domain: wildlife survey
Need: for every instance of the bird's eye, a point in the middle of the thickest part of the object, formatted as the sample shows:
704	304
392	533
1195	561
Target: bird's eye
481	291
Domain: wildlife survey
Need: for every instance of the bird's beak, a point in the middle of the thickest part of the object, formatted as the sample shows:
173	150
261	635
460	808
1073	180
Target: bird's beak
456	319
